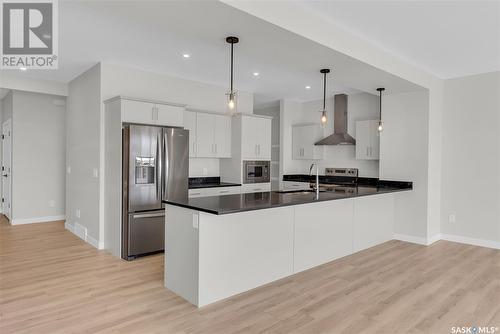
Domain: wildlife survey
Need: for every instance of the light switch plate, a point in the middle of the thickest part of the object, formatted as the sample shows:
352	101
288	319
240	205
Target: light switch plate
452	218
95	172
68	169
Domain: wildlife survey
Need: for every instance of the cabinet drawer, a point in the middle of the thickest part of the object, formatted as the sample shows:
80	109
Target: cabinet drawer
255	187
292	185
192	193
222	191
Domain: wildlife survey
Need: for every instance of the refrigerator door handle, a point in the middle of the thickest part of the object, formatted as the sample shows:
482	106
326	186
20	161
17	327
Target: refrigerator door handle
158	166
148	215
166	160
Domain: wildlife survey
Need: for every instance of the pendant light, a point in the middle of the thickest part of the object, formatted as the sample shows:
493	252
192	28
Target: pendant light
380	124
323	119
231	95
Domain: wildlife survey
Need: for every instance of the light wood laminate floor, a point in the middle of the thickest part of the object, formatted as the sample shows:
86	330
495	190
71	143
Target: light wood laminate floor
53	282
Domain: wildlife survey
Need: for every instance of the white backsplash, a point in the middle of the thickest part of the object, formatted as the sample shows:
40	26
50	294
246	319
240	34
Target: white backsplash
203	167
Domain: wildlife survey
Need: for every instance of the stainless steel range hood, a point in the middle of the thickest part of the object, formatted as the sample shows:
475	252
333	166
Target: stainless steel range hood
340	135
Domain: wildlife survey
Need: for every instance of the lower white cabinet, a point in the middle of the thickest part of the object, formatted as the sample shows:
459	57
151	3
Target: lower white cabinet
255	187
293	185
214	191
367	140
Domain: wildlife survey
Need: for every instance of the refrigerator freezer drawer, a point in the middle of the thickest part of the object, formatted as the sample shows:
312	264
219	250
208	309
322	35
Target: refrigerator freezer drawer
146	232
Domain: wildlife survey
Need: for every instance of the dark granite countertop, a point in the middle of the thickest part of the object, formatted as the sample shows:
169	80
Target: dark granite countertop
226	204
209	182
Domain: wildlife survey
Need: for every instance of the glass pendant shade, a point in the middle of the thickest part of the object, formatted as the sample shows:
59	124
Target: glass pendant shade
232	102
323	118
380	126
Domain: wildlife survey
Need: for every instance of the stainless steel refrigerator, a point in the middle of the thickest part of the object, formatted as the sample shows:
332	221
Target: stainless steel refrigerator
155	167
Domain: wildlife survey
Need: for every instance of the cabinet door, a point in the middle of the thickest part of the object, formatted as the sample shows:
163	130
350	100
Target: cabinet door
363	134
190	124
222	136
375	141
248	138
297	141
138	112
205	126
169	115
263	132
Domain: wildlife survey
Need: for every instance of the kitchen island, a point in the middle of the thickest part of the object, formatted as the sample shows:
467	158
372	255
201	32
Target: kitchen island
219	246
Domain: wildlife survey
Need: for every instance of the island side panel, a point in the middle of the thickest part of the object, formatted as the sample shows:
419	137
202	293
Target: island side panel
323	232
373	221
242	251
181	252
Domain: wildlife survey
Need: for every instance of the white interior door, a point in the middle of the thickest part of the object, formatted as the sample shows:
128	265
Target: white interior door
6	167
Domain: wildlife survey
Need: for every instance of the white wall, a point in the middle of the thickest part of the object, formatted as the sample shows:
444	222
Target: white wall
204	167
38	157
361	106
404	157
83	152
471	157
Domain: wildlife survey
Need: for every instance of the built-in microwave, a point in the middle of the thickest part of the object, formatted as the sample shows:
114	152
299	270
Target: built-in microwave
256	171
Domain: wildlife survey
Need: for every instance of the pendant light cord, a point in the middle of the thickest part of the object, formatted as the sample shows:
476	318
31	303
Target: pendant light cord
380	105
232	44
324	91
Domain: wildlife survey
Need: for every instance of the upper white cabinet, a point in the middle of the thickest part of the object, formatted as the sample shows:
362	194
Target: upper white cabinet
367	140
190	124
141	112
255	138
303	138
212	136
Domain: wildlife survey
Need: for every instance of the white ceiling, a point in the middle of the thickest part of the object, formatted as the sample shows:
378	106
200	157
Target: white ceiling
446	38
153	35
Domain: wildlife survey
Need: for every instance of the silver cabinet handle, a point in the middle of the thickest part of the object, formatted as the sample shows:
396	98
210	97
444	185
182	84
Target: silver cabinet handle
149	215
216	149
153	113
195	194
223	191
367	154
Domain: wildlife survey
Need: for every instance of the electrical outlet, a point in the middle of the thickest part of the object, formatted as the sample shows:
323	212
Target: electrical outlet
77	213
205	171
452	218
52	203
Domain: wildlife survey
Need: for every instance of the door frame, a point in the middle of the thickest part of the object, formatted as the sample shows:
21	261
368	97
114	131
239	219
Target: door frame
8	213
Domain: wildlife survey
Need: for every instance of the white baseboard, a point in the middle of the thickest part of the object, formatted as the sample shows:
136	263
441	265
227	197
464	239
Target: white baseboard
94	242
471	241
37	220
84	236
410	238
433	239
447	237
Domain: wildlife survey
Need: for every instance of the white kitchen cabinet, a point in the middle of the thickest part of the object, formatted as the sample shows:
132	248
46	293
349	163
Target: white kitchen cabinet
190	124
367	140
293	185
213	136
142	112
303	138
373	221
168	115
214	191
255	187
222	136
256	138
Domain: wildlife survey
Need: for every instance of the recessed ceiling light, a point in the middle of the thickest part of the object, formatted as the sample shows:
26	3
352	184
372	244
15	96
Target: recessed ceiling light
23	68
255	74
186	55
308	87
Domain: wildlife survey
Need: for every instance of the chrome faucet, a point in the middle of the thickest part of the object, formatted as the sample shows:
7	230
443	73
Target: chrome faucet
316	187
